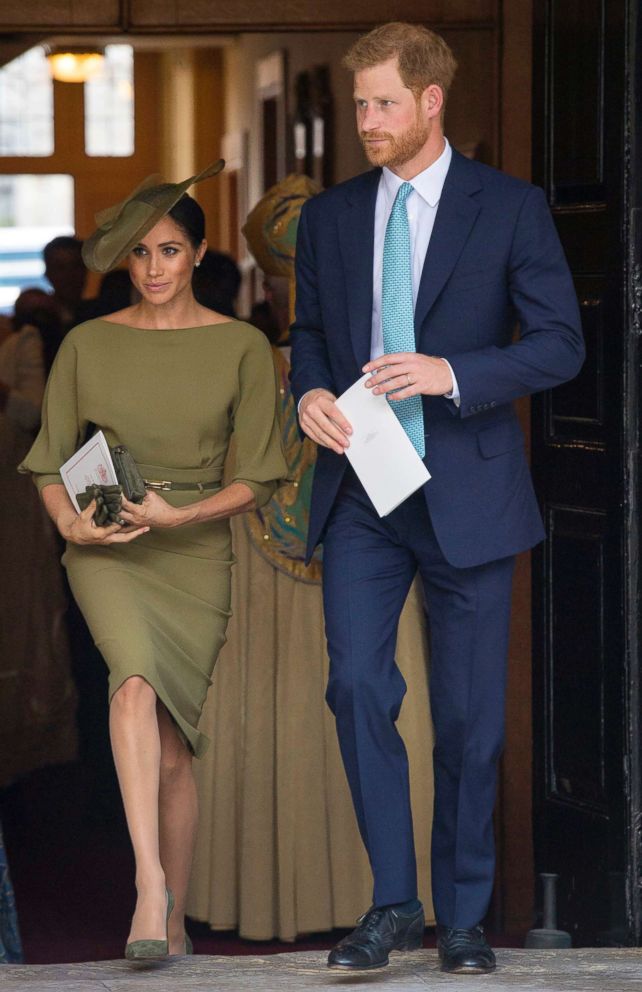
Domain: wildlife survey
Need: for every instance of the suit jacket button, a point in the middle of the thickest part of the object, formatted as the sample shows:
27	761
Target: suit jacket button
493	404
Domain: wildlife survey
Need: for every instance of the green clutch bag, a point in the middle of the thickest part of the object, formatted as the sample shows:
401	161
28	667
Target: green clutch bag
109	499
127	474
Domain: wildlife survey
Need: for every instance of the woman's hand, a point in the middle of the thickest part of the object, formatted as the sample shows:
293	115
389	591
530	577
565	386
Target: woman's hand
82	529
154	511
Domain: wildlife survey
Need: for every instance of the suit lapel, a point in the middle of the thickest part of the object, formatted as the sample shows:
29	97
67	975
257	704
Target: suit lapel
456	214
356	238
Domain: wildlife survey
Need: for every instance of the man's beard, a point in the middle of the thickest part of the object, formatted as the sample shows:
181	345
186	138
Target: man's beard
400	149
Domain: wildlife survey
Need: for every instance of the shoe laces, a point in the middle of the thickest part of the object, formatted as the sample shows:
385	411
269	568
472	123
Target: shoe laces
370	920
462	937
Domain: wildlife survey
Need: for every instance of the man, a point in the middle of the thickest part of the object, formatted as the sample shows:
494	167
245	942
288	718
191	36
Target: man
417	272
65	270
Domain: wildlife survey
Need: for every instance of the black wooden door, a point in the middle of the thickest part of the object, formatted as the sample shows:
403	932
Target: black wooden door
587	149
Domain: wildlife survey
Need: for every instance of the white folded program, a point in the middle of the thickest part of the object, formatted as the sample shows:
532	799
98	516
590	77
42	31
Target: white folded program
380	452
90	465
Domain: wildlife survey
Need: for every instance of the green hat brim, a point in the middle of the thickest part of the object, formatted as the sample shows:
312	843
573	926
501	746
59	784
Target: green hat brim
122	227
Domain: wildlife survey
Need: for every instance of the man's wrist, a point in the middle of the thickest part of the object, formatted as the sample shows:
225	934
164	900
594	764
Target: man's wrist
453	392
316	389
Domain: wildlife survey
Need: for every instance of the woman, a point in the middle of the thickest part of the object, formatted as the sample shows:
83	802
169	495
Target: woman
172	381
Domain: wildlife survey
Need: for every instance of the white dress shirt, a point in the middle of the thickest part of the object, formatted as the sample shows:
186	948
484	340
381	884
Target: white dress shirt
422	206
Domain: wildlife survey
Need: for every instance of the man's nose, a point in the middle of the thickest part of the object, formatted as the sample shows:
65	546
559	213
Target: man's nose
370	119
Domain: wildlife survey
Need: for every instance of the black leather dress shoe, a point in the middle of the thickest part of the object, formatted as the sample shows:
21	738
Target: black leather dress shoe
464	951
379	931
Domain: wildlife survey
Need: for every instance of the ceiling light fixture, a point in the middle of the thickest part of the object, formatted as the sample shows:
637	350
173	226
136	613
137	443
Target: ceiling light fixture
75	65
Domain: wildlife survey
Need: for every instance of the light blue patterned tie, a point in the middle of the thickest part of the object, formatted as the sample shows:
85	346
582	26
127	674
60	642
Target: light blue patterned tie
397	309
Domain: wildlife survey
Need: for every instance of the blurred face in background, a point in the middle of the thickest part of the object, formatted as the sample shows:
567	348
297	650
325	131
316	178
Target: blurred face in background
276	290
32	302
67	274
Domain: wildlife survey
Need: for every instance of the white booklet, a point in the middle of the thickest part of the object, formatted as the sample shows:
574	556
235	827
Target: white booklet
380	452
90	465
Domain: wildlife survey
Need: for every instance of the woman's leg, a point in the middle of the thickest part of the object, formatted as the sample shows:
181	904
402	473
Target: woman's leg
178	806
135	739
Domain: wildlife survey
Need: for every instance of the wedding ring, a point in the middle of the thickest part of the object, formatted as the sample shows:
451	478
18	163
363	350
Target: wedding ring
408	378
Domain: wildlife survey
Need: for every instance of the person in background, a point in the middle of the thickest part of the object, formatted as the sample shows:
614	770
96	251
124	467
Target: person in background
270	231
278	814
99	793
66	271
272	314
38	699
116	292
217	282
35	308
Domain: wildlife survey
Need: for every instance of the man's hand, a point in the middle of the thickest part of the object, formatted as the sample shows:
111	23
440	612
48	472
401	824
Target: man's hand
410	374
322	420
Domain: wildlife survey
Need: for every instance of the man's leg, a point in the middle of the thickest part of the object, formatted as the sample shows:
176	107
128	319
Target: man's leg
469	615
367	575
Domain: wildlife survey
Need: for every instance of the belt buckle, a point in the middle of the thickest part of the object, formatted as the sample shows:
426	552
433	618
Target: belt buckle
164	485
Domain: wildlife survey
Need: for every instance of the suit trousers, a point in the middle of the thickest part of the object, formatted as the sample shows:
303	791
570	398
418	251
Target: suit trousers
369	565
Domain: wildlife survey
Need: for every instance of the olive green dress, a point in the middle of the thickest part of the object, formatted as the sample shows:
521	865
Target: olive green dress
158	606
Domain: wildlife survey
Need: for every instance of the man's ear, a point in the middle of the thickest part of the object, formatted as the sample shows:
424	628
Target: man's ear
432	100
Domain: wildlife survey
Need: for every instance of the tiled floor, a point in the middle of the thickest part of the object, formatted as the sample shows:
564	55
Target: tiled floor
587	970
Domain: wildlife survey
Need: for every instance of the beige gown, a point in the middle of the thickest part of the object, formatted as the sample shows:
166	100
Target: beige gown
278	851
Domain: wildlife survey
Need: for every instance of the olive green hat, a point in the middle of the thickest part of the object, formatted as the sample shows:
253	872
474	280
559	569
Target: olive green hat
122	226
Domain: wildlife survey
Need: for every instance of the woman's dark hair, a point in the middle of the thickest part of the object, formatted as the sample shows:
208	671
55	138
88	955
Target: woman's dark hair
217	282
190	218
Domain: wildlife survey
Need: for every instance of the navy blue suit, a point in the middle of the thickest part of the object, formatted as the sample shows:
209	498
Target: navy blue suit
494	260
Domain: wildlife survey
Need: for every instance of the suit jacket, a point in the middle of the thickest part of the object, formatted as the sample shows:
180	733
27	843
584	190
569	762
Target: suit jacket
494	259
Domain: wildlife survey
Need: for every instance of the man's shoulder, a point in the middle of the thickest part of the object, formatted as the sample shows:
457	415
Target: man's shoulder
335	197
493	181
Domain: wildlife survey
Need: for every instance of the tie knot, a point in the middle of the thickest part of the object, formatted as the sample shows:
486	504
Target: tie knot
404	192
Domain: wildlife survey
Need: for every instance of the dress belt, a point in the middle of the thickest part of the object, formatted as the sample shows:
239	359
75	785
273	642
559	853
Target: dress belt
167	486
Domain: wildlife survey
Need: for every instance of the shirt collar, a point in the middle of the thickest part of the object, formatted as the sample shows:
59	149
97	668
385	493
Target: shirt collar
428	183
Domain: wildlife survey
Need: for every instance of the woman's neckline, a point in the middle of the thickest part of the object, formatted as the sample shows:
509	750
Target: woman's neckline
167	330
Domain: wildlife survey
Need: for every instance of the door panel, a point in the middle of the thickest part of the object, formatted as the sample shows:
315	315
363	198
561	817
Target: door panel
585	439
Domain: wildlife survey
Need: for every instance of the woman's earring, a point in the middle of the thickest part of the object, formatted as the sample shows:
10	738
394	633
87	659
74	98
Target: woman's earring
196	264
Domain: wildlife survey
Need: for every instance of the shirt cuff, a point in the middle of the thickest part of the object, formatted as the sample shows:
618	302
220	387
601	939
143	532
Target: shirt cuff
298	406
454	393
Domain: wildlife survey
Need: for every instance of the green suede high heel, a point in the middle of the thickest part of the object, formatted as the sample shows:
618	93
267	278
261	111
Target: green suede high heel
151	950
